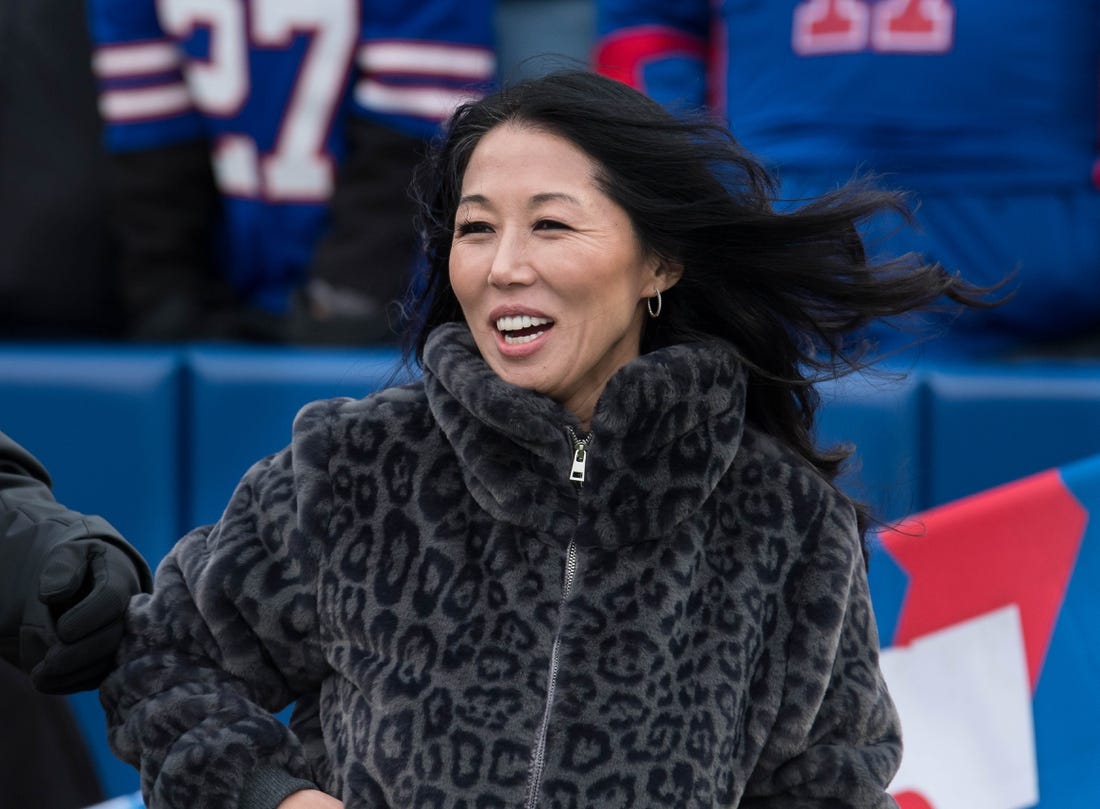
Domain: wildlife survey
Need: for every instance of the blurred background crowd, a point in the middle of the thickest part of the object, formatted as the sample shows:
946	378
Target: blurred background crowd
197	170
228	170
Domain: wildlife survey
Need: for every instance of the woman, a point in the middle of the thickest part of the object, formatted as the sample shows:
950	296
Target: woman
591	558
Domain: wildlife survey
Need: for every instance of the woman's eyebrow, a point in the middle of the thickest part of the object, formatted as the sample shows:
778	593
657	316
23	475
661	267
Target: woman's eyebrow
535	201
552	196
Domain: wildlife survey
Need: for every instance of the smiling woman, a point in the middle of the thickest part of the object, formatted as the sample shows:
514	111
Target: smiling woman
592	557
547	269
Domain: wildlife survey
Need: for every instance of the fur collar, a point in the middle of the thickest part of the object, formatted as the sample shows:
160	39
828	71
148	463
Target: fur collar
663	433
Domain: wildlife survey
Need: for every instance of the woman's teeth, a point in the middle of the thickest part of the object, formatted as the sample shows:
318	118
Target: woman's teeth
519	329
517	322
523	338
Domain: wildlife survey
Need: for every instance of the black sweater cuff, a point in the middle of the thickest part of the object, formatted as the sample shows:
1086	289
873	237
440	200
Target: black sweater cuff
268	787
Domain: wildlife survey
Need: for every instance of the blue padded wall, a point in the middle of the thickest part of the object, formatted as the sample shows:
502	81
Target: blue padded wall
242	403
155	440
880	415
991	424
106	424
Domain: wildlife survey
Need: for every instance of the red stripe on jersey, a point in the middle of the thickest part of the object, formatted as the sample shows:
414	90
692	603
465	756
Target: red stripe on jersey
624	54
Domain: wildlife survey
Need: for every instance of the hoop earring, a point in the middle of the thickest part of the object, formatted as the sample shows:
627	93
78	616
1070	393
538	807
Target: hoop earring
649	304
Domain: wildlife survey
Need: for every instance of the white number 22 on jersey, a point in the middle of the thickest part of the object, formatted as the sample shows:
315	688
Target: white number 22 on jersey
298	168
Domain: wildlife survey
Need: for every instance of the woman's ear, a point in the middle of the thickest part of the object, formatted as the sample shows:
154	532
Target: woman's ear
668	273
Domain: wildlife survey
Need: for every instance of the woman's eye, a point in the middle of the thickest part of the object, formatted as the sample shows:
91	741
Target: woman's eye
466	228
550	224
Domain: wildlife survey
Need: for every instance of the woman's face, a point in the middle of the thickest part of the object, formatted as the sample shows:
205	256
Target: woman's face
549	273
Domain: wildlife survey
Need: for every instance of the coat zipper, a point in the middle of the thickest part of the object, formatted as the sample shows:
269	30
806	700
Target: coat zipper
538	757
580	456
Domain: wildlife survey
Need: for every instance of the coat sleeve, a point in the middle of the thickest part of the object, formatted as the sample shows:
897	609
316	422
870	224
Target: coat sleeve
836	741
229	636
31	523
164	203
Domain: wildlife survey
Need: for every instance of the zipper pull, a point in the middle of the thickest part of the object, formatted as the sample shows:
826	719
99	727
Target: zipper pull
580	455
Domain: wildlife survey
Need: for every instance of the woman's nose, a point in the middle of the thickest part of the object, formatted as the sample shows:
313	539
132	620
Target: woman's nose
511	263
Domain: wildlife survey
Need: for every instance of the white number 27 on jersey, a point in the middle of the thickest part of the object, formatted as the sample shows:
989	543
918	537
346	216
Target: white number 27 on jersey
297	168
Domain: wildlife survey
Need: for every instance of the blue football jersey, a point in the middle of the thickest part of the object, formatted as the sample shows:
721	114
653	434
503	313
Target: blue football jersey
936	93
268	83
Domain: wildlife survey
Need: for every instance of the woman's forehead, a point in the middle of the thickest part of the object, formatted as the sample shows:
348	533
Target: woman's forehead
519	154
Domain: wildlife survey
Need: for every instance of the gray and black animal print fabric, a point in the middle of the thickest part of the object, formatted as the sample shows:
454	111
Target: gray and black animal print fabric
462	626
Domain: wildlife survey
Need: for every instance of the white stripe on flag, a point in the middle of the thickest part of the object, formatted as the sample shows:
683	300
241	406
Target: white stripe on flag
966	714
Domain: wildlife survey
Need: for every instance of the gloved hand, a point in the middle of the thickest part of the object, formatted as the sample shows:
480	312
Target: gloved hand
70	634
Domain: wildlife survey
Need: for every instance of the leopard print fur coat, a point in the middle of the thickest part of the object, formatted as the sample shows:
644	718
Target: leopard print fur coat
460	625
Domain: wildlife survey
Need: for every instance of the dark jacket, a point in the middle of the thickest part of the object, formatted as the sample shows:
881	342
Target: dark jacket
32	522
464	626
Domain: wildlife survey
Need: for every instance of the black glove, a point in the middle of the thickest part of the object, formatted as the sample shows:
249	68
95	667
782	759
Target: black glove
69	636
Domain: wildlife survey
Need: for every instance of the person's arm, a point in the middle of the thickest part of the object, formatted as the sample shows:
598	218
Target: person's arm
164	203
65	580
230	636
836	741
662	49
164	206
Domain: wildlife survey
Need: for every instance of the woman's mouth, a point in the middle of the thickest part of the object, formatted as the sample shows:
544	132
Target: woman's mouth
519	329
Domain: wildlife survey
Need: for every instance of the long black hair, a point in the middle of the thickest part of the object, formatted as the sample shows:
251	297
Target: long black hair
787	290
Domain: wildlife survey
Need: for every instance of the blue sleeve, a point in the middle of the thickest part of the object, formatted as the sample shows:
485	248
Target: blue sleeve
417	61
658	47
143	98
